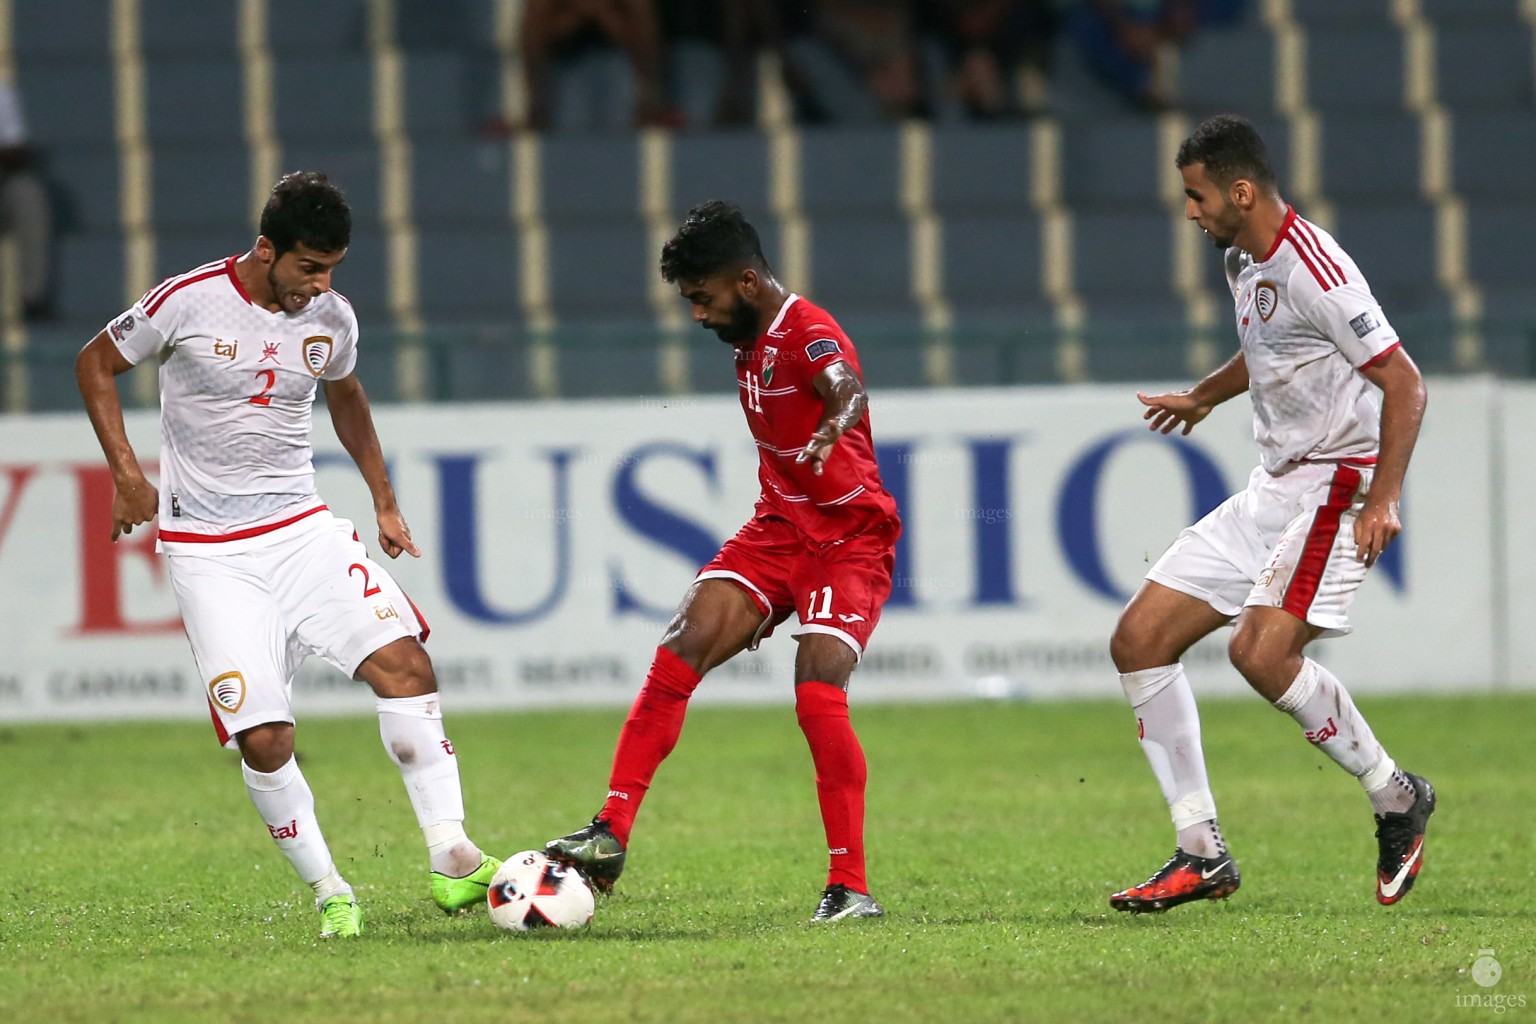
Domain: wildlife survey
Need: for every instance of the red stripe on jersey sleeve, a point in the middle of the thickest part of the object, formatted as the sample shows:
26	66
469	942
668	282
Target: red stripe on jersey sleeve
154	293
1306	258
1378	357
154	305
1317	246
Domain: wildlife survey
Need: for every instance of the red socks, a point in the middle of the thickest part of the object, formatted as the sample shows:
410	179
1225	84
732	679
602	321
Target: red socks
648	736
840	776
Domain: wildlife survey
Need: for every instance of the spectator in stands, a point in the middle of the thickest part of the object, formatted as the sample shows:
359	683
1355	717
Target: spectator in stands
25	212
553	29
1123	40
745	29
879	39
999	52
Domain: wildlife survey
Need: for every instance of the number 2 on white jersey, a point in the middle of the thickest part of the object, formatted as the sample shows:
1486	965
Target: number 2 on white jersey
262	398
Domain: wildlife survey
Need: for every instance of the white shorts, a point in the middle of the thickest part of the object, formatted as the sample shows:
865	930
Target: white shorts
254	616
1287	541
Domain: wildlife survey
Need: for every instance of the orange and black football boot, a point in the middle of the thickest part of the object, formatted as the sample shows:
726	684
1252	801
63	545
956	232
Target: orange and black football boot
1184	878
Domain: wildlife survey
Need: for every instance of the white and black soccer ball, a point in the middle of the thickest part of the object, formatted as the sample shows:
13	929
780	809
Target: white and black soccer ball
531	891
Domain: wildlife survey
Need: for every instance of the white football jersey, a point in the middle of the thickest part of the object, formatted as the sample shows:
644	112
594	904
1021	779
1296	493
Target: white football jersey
1308	324
237	388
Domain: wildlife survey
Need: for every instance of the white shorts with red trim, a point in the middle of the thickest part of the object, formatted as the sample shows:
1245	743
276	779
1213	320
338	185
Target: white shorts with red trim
1286	541
254	615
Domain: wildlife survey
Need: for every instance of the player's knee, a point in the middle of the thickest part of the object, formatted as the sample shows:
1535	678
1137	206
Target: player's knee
825	659
401	669
1135	644
1256	660
266	748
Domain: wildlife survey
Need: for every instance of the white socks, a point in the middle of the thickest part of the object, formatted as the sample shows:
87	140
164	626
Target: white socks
1169	728
412	731
285	803
1326	713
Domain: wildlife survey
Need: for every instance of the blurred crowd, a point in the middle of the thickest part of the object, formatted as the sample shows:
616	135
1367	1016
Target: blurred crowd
993	57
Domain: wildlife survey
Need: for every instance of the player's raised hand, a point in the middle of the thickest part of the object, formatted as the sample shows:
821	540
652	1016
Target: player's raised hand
135	502
1170	410
1376	527
819	447
395	535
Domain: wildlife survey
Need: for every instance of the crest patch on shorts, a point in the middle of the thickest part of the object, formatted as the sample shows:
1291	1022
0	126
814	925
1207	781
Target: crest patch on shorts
227	691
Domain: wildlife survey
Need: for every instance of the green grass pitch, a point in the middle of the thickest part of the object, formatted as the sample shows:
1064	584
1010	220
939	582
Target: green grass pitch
139	885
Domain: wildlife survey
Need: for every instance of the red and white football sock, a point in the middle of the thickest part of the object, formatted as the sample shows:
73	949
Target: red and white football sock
1327	714
1168	725
412	731
841	775
285	802
650	732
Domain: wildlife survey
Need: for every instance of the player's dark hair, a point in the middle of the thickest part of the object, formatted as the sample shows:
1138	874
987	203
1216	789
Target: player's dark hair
715	237
306	208
1230	148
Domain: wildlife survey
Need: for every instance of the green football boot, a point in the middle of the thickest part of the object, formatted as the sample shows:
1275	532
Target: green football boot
340	917
456	894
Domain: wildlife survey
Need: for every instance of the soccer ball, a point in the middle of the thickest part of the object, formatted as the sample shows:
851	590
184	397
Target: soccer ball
531	891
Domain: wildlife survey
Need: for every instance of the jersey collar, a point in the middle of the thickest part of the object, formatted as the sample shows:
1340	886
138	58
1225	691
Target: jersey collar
789	300
1285	225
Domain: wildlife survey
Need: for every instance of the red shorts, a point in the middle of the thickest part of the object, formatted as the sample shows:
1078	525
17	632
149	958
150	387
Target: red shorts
838	589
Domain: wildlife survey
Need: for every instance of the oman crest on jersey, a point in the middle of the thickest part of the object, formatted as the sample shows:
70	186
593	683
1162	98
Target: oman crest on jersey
770	356
317	353
1266	298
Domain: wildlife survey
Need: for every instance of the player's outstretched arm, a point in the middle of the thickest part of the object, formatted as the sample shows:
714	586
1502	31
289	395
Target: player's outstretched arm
353	420
843	404
1403	398
96	370
1189	407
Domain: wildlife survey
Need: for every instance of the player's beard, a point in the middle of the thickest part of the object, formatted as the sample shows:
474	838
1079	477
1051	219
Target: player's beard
1221	236
283	294
740	326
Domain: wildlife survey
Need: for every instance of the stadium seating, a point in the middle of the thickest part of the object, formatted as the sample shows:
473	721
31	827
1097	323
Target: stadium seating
323	96
1356	68
1112	163
70	102
848	171
730	165
1481	66
36	35
459	183
469	275
1106	185
977	169
590	177
195	186
336	26
1229	70
1492	153
189	29
1371	156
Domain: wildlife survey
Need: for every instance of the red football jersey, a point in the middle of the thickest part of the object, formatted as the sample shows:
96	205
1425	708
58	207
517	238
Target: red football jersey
783	409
